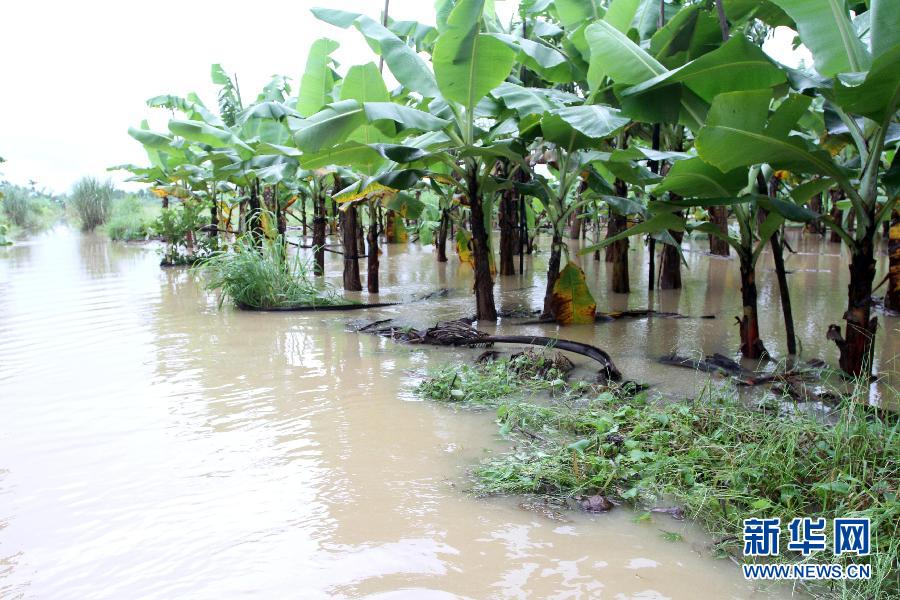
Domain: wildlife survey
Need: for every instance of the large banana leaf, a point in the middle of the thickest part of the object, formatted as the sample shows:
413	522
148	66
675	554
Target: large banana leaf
738	65
364	83
693	178
571	298
525	100
317	82
616	56
885	19
407	66
875	96
547	61
339	120
203	133
469	64
574	12
825	28
736	134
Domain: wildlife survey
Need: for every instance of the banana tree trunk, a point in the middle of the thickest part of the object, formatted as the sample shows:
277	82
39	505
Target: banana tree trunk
620	249
751	344
508	234
892	296
319	223
836	213
815	205
719	217
777	244
485	310
349	228
390	226
670	263
441	241
858	342
552	275
372	259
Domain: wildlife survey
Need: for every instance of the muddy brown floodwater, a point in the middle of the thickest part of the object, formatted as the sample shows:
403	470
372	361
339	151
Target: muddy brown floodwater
153	446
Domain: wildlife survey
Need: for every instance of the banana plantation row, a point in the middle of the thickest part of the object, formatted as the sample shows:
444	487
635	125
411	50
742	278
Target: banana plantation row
661	117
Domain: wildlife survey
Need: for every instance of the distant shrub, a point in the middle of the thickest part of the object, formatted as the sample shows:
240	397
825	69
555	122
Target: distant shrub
25	209
129	220
91	201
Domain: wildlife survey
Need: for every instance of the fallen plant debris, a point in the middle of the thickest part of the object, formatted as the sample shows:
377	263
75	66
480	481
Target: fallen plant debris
461	333
713	460
717	363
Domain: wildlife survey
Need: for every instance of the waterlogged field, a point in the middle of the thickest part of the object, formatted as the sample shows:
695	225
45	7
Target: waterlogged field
155	446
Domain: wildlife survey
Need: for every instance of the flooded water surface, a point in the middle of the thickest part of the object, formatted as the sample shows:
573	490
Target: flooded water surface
154	446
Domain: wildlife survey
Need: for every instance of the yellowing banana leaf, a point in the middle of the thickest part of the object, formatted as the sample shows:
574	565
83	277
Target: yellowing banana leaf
464	248
572	301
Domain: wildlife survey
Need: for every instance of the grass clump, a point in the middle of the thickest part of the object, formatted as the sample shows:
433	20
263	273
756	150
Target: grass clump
129	220
263	275
718	459
489	381
91	201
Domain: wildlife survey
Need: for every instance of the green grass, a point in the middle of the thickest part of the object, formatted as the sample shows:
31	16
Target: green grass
265	276
718	459
486	383
131	220
91	202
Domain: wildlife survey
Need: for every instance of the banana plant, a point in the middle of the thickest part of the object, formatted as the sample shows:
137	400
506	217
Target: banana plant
858	78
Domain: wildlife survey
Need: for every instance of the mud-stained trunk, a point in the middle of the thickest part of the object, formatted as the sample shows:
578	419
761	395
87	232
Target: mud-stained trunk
575	222
372	258
390	226
441	242
670	263
619	223
509	237
552	275
319	223
837	214
892	296
718	215
349	228
751	344
360	236
484	283
815	227
858	342
214	223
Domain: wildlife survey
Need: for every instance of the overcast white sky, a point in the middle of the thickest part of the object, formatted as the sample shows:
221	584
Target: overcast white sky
76	75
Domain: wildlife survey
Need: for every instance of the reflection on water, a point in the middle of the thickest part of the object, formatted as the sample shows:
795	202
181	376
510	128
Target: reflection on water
153	446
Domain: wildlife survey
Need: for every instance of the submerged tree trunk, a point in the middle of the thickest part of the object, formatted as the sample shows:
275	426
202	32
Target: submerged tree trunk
372	259
508	235
718	215
484	282
441	242
670	263
319	223
815	205
892	296
777	244
552	275
837	214
858	342
349	228
619	223
751	344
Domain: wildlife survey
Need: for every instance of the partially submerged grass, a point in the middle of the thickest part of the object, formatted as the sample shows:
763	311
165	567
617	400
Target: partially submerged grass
91	201
486	383
265	276
720	460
